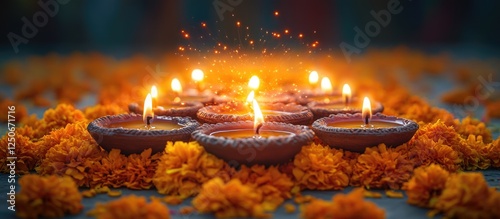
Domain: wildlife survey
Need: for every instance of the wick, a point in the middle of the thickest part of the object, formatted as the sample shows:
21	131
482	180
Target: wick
258	128
346	101
148	122
367	120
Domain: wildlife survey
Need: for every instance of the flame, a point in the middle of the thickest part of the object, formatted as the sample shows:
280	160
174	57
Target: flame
197	75
148	109
313	77
250	97
154	92
346	93
176	85
326	85
254	82
257	114
366	113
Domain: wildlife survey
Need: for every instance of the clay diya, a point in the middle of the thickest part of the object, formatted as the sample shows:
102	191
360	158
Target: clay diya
174	109
241	111
133	133
355	132
343	104
187	97
256	142
326	95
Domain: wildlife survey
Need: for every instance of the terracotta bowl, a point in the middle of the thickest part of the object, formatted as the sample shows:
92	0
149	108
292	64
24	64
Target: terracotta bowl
304	99
357	139
174	109
131	141
239	111
250	151
321	109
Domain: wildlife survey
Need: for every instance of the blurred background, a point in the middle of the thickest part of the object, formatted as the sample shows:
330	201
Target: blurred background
155	26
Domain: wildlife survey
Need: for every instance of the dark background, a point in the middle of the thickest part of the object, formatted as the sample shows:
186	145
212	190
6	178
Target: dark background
154	26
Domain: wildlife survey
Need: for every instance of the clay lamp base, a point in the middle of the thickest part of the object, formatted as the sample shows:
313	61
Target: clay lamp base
237	144
304	99
128	132
171	109
239	111
346	131
325	109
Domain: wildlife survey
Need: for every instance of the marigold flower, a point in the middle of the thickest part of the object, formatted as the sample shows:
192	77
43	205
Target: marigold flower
380	167
110	170
140	169
130	207
493	153
233	199
274	186
25	151
424	151
467	195
351	205
100	110
470	126
49	196
184	167
474	153
59	117
319	167
426	185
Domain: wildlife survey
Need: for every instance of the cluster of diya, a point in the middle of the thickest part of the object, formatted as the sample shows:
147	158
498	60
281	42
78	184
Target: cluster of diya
247	132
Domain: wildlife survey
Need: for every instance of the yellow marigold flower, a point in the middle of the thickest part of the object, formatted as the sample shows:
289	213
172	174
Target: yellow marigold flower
184	167
49	196
72	130
24	150
493	153
467	195
73	157
319	167
59	117
130	207
100	110
351	205
424	151
426	185
470	126
233	199
274	186
380	167
474	153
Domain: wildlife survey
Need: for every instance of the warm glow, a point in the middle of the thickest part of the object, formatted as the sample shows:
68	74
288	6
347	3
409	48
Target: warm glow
258	117
148	109
250	97
313	77
176	86
197	75
366	113
346	93
326	85
154	92
254	82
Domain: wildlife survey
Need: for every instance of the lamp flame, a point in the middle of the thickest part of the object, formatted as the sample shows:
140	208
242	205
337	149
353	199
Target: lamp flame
313	77
258	117
154	92
148	114
176	86
346	94
366	112
250	97
254	82
326	85
197	75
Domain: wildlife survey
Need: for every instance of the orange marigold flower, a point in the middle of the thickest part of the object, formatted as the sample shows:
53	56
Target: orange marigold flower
49	196
24	150
233	199
474	153
493	153
424	151
319	167
100	110
351	205
59	117
426	185
109	171
470	126
467	195
140	169
184	167
380	167
130	207
274	186
73	157
439	131
72	130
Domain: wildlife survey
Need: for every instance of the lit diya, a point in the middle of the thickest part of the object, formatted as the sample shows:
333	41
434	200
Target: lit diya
268	96
355	132
133	133
242	111
168	108
326	95
342	104
256	142
180	96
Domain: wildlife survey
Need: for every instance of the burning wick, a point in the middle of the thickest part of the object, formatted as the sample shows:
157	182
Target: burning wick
148	121
366	112
257	129
258	118
148	113
346	93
